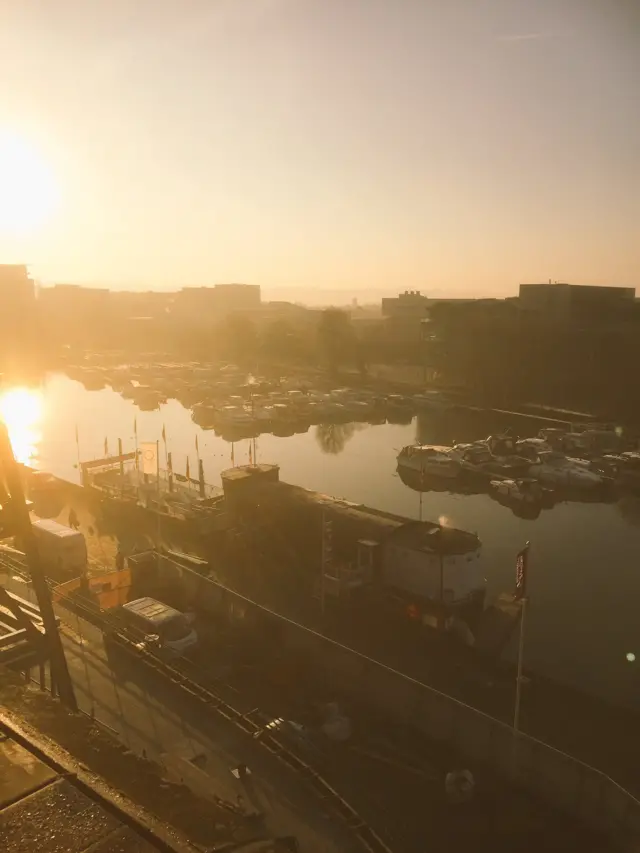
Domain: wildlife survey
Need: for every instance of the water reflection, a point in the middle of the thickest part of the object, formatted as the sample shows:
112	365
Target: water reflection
629	508
22	410
332	438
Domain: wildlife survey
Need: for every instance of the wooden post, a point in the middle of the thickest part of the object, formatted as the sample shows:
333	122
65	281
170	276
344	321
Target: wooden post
201	477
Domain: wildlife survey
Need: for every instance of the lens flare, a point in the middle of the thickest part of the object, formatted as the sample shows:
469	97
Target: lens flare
21	410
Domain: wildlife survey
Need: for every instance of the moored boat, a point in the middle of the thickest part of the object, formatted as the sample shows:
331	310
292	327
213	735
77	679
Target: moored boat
429	460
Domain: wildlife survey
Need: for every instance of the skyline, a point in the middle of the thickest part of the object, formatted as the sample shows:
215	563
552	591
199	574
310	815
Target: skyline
453	148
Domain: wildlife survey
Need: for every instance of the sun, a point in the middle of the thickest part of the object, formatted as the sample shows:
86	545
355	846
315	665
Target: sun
21	410
28	191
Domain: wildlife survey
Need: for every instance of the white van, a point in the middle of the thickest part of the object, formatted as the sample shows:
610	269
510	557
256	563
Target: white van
146	616
62	551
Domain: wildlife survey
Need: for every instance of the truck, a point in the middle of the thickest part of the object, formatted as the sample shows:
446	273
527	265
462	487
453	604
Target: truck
62	550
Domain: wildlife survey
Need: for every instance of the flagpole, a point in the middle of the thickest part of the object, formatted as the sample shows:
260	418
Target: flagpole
323	559
135	434
522	581
158	540
78	451
516	710
164	439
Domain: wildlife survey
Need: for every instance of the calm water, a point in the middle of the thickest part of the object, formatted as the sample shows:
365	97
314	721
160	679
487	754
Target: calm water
585	557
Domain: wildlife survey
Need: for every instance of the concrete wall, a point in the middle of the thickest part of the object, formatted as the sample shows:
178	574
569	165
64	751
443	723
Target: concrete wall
548	773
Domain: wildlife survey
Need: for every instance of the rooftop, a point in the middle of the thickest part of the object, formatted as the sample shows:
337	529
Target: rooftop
434	538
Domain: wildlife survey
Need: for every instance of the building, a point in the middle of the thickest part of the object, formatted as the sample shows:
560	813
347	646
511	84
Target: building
575	303
404	316
410	305
17	292
201	305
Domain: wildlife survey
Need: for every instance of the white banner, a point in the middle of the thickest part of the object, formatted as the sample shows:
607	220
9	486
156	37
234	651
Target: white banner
149	451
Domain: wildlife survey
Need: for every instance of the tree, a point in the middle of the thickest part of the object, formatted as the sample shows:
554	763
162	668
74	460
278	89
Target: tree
280	341
336	337
238	338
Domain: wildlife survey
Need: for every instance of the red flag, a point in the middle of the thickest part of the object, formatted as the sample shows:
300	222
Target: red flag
522	565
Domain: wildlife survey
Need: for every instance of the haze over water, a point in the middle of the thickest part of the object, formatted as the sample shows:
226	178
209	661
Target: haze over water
585	557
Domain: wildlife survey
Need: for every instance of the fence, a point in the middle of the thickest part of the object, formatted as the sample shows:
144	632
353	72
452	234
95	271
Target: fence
562	780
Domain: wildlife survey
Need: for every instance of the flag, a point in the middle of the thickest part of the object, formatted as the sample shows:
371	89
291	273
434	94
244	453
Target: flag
522	561
197	449
233	460
188	474
106	446
250	456
169	463
149	450
164	434
135	427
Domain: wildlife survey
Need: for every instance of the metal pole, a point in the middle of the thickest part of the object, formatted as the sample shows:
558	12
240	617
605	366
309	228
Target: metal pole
516	710
121	466
322	564
441	619
158	540
59	671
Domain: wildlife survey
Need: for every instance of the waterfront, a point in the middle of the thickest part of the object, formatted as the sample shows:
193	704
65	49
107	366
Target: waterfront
584	578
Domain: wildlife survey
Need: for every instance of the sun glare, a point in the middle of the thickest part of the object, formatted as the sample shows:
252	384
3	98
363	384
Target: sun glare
28	193
21	410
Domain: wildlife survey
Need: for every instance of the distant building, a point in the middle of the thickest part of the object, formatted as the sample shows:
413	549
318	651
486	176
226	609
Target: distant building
206	304
17	293
404	315
575	303
408	305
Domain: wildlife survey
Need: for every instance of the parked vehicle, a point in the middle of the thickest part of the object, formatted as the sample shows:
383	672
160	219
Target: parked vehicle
146	618
62	550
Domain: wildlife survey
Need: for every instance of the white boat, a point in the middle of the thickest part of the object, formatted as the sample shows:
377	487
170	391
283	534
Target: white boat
428	459
471	457
560	470
523	490
263	416
233	416
530	448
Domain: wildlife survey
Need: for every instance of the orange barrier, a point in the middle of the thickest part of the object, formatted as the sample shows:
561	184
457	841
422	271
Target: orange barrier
110	589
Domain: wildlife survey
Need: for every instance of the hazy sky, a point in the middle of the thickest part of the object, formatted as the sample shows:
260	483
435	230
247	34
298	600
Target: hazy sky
456	145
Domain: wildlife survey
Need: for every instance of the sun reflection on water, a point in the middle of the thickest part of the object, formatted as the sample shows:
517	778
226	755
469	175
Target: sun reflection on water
21	409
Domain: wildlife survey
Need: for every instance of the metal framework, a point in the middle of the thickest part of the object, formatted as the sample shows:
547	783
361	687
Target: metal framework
16	513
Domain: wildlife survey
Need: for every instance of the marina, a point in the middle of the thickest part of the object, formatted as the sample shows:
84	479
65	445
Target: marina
581	574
